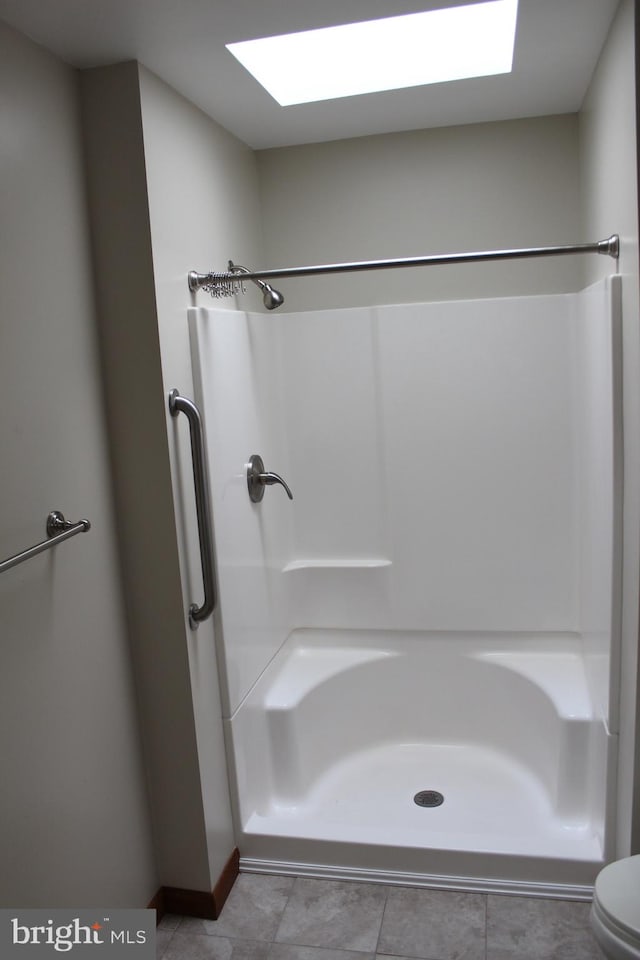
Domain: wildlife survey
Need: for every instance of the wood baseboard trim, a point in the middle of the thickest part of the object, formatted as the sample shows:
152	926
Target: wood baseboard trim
226	880
198	903
157	904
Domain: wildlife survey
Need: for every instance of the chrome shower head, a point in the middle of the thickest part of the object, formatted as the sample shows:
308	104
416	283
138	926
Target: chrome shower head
270	297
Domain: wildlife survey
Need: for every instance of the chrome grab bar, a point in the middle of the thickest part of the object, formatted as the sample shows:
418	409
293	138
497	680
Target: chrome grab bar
178	404
58	529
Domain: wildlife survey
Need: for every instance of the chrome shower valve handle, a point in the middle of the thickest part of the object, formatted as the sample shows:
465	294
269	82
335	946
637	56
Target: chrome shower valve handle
258	478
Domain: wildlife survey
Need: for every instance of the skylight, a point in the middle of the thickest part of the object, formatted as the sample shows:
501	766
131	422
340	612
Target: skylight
474	40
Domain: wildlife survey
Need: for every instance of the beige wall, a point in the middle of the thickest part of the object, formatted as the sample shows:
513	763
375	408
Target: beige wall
610	204
135	402
478	187
74	823
170	191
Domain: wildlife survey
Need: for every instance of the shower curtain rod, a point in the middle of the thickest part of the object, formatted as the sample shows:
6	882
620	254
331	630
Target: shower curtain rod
227	284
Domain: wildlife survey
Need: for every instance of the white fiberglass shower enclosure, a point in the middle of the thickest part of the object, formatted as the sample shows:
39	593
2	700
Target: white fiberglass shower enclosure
419	652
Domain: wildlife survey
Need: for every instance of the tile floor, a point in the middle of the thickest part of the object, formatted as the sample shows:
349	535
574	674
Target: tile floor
295	918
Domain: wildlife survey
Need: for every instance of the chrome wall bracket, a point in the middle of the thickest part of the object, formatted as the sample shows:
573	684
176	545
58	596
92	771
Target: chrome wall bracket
56	523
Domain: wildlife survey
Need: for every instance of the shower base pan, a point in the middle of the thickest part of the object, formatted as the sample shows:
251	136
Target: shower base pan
346	731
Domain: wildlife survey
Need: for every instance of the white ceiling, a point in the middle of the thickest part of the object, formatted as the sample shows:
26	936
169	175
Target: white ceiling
183	41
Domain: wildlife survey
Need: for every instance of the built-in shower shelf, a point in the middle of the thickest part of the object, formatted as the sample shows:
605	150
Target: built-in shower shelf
340	563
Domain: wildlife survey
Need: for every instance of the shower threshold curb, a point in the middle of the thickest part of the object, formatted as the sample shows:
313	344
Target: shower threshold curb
547	891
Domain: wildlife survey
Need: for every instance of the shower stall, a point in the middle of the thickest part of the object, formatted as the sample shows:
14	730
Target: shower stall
419	646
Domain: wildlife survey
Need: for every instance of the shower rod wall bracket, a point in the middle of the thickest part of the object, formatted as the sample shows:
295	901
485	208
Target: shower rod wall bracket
610	246
217	284
231	283
228	284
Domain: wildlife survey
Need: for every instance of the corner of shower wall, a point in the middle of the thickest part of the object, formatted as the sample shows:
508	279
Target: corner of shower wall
599	418
600	461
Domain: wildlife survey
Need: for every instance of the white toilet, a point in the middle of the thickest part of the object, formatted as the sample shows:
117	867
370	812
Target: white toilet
615	913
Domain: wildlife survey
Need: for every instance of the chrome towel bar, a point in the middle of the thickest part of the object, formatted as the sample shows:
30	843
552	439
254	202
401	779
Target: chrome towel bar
178	404
58	529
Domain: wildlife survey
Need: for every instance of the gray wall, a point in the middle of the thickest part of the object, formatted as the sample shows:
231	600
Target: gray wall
478	187
74	824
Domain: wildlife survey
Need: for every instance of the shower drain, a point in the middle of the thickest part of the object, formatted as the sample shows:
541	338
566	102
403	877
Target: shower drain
428	798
